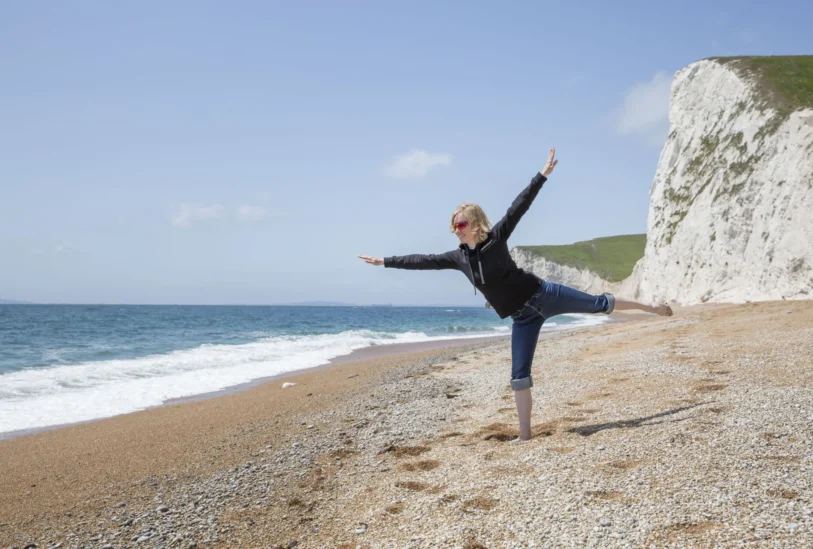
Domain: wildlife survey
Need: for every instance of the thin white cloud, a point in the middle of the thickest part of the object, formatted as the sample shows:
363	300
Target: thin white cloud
247	213
416	164
193	213
645	111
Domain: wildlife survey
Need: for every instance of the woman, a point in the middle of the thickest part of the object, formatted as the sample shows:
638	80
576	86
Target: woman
484	258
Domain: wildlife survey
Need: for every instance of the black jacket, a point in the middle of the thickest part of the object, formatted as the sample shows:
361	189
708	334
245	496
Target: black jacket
489	266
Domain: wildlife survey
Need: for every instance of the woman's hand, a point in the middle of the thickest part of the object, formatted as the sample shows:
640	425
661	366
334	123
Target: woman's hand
548	169
377	261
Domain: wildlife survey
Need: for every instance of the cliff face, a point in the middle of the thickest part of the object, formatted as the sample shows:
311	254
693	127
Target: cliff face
581	279
731	205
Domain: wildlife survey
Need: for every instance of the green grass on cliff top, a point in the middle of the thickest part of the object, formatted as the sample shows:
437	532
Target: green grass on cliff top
611	257
784	82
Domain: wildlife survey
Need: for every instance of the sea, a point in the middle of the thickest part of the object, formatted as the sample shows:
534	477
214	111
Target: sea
63	364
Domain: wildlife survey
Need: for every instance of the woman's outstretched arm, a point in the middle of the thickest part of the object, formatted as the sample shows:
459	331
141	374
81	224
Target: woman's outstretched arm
505	226
416	261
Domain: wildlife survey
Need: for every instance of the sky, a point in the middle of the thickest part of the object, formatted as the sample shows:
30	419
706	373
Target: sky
246	152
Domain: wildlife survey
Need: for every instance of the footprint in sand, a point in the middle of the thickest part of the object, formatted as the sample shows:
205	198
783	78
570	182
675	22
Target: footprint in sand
708	388
605	495
411	485
425	465
689	529
781	493
501	432
480	503
410	450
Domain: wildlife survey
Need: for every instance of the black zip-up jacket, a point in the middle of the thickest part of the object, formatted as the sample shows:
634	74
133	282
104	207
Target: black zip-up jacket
489	266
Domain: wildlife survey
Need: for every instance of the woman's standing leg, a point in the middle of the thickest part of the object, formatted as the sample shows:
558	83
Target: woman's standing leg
524	335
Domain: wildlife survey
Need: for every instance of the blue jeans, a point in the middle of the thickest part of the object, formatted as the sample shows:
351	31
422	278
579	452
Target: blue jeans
548	301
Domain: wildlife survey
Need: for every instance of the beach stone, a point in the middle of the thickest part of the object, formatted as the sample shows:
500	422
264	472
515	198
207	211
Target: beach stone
162	509
288	384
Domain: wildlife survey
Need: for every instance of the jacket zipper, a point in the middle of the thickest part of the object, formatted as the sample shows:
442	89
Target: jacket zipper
471	270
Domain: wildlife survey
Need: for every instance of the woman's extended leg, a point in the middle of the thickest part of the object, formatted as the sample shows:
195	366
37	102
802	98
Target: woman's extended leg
558	299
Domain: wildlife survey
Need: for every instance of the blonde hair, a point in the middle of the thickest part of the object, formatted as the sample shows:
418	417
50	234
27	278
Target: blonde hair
478	221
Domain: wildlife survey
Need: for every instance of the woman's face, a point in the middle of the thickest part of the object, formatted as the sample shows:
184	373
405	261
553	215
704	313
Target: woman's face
462	229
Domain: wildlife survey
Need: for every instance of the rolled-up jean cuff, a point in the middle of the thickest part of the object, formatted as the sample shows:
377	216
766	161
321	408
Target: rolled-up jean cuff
610	303
520	384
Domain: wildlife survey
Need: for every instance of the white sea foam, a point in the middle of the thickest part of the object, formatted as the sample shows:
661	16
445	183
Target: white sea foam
65	393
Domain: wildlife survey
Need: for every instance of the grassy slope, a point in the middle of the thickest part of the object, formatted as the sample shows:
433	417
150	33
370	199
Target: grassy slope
611	257
785	82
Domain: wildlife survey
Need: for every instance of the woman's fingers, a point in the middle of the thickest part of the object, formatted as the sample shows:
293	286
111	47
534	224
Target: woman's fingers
372	260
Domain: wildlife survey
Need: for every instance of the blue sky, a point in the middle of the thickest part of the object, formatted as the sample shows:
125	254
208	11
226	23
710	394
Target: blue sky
246	152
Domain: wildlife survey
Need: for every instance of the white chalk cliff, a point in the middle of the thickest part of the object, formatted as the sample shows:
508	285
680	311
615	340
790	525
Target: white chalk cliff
731	204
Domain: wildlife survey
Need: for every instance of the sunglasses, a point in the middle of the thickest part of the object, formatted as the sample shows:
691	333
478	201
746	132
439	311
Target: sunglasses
461	225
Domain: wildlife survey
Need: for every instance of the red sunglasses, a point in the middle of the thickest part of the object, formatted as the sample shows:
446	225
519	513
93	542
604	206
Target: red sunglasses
461	225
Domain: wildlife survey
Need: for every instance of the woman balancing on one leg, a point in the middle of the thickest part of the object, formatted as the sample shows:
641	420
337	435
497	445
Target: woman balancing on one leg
484	258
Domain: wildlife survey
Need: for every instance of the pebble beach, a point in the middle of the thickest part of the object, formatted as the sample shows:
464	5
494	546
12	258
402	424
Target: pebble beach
688	431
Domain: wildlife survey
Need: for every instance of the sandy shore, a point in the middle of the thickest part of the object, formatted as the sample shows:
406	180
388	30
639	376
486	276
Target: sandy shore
689	431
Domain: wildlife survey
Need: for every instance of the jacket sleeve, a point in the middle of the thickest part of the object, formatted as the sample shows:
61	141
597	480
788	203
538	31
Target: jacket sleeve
423	261
505	226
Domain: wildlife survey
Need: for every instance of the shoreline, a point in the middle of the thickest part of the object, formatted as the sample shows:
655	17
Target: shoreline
365	353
